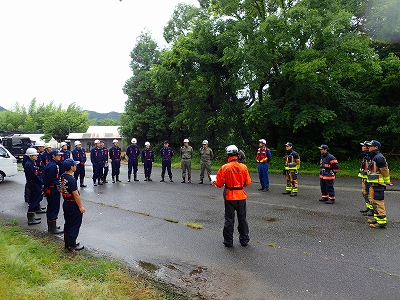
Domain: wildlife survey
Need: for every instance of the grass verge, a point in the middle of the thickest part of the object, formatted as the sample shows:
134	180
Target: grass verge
37	267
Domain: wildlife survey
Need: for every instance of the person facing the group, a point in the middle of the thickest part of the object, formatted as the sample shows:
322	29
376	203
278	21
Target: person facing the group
234	176
186	152
147	161
79	155
292	164
133	154
263	158
329	168
166	153
206	156
115	156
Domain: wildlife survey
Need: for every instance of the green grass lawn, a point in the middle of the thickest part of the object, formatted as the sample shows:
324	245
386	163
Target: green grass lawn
37	267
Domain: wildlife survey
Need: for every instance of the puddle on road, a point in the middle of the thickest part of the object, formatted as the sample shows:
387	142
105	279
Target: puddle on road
269	220
148	267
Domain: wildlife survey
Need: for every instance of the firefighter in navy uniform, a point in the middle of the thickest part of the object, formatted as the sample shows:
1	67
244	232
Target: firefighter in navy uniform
292	164
166	153
378	178
72	206
40	147
46	153
79	155
147	161
105	160
133	154
329	168
363	174
234	176
263	158
96	157
51	190
115	156
34	184
66	154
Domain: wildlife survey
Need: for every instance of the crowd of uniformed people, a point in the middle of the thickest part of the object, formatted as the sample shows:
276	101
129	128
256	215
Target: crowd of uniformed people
53	173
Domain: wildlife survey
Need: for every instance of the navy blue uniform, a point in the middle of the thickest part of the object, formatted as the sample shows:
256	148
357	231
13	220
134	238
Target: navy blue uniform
147	160
96	157
45	157
72	214
34	183
51	186
79	156
166	156
105	158
66	154
115	156
133	153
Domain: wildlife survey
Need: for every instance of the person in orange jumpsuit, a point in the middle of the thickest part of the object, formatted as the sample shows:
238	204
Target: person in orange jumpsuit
234	176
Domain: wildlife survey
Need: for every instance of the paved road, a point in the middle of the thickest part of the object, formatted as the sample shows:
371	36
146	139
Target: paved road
299	249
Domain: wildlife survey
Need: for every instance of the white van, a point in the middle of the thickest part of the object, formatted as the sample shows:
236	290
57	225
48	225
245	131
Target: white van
8	164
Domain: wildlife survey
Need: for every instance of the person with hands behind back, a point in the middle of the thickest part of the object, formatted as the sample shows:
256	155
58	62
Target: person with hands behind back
235	177
73	208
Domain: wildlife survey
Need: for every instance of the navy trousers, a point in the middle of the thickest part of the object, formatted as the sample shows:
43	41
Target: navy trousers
53	204
73	219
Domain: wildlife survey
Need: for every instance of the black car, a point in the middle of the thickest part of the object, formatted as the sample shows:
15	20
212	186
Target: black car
16	144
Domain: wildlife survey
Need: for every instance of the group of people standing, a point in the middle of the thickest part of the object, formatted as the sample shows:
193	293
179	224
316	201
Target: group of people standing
49	172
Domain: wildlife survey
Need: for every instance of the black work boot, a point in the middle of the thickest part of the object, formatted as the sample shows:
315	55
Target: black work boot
94	182
135	178
66	244
286	193
149	179
52	227
189	181
201	181
129	178
83	185
118	178
31	219
183	180
162	179
170	179
99	182
262	188
73	246
145	178
40	210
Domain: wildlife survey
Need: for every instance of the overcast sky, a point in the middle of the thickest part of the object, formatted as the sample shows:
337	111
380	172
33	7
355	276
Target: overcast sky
74	50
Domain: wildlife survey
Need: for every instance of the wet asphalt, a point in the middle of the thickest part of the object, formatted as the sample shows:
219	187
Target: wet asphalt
300	248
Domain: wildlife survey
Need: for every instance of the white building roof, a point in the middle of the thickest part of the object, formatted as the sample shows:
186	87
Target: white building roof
97	132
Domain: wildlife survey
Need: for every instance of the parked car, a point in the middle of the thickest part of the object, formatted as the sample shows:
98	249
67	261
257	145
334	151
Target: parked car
16	144
8	164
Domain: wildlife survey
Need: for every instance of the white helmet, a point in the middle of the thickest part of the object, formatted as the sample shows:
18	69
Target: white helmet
48	145
76	143
96	141
31	151
231	149
63	144
115	141
40	143
262	141
186	141
147	144
133	141
205	142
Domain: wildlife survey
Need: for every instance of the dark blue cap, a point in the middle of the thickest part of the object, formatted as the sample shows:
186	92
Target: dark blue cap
69	162
55	152
374	143
323	146
289	144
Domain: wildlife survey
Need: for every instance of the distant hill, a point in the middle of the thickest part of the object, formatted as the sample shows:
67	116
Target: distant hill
101	116
2	108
